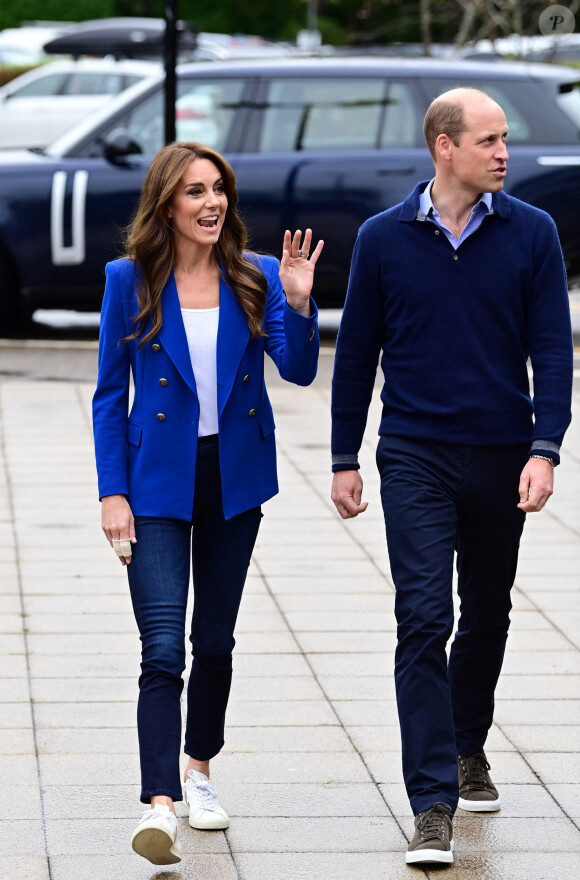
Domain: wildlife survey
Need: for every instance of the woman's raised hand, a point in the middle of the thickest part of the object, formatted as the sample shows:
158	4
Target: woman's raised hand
297	269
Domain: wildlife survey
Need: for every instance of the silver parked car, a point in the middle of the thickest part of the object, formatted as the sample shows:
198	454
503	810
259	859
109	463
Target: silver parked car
38	106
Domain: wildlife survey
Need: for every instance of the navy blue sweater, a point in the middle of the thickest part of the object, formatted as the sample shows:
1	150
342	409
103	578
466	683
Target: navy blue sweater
456	329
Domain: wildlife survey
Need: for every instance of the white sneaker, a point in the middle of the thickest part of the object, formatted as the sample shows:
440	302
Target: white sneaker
156	837
200	799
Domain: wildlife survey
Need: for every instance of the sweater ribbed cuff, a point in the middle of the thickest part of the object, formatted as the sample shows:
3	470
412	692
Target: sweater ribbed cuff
343	462
546	447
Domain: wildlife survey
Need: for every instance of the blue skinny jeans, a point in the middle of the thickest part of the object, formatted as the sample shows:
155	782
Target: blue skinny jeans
159	573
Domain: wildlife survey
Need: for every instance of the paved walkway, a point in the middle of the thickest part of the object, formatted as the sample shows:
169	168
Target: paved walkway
311	771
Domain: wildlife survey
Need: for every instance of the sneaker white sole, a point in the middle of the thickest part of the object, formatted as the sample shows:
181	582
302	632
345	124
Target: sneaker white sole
213	821
430	855
155	845
479	806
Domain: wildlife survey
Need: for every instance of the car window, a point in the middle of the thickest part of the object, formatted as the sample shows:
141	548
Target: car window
402	121
204	112
532	114
322	114
98	83
46	85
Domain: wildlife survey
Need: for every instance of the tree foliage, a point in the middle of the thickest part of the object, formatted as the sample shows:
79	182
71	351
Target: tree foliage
341	21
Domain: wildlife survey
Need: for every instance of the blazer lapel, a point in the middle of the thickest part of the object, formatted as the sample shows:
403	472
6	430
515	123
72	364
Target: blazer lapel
172	333
233	335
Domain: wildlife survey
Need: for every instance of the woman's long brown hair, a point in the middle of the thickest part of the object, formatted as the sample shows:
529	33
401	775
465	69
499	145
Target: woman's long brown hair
149	241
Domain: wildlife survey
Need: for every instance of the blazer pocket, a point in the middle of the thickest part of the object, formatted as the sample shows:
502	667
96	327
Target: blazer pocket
134	433
267	423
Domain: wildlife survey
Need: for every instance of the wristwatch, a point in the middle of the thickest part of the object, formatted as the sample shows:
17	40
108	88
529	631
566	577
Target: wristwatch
545	458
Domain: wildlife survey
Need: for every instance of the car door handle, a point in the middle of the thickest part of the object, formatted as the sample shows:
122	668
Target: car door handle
385	172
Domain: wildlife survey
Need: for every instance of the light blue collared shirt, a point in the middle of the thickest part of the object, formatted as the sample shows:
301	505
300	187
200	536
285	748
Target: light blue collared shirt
428	211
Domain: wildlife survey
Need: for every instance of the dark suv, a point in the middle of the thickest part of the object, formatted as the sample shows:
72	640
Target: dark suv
317	142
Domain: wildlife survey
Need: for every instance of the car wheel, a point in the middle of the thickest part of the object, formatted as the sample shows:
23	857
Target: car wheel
11	310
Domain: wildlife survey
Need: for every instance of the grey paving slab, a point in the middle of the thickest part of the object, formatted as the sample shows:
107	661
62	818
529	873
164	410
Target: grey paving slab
540	712
14	690
25	867
18	770
22	837
530	865
314	834
12	643
303	800
321	738
325	866
16	741
266	643
81	624
333	602
379	664
73	644
539	687
84	690
515	835
91	836
76	770
260	622
343	642
257	665
66	715
15	715
10	604
356	687
340	621
86	741
334	584
567	795
77	585
547	738
94	665
288	713
132	867
290	767
551	767
542	662
366	712
274	688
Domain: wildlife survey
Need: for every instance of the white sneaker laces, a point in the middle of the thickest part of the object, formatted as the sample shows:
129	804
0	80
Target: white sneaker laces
207	793
160	811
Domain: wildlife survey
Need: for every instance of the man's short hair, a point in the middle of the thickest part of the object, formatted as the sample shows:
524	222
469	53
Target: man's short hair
446	116
443	117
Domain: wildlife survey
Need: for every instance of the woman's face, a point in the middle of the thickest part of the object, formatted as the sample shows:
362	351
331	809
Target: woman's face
198	206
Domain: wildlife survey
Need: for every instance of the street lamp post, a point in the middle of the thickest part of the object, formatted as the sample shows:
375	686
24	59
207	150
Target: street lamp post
170	13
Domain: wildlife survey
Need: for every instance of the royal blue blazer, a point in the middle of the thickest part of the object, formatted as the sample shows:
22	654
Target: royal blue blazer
147	452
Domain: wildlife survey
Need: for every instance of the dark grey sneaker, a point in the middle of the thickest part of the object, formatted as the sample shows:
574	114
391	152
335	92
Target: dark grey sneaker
433	839
477	793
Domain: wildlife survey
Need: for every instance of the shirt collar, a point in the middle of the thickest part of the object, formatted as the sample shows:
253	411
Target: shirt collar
426	206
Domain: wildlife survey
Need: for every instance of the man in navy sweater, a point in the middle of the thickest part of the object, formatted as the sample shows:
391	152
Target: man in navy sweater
457	287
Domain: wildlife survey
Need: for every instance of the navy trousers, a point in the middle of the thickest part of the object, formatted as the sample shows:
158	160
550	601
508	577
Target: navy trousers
438	500
220	552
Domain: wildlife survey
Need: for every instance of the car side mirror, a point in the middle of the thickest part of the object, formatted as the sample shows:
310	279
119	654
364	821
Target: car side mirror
118	144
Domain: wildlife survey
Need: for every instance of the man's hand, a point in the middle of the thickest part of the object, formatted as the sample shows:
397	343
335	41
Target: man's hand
536	485
347	489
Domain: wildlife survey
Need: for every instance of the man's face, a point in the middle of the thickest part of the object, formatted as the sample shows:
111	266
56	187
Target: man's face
479	161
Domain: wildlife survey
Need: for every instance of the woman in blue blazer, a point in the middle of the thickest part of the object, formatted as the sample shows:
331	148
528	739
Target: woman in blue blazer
184	467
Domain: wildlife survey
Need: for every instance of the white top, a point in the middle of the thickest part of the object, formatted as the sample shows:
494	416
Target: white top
201	328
